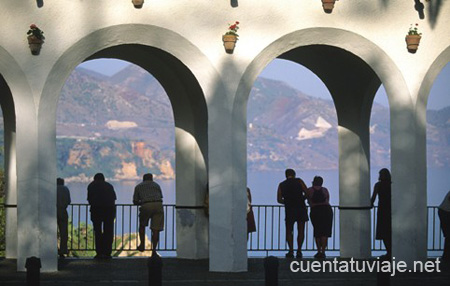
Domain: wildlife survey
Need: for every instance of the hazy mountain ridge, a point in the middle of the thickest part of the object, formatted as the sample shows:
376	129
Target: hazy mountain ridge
123	126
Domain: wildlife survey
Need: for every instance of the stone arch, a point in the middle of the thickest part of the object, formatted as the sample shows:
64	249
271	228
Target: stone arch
421	112
376	67
14	90
186	75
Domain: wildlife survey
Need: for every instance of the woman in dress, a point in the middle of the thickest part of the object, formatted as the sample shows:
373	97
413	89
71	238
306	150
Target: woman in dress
444	216
251	225
382	189
321	214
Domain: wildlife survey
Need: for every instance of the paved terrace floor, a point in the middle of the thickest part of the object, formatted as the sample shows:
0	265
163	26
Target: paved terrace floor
134	271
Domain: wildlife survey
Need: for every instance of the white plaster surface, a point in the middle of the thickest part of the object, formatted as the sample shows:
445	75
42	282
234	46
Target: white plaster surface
214	86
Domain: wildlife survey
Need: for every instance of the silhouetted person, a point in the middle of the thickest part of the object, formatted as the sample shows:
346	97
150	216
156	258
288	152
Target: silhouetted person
291	192
62	201
384	224
444	216
251	225
102	197
148	196
321	215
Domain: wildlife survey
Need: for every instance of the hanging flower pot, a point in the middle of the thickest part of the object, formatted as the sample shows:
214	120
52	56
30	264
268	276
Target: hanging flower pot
35	39
328	5
412	43
35	45
230	38
229	42
413	39
138	3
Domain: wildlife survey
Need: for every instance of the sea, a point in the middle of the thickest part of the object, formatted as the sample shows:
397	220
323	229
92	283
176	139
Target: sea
263	186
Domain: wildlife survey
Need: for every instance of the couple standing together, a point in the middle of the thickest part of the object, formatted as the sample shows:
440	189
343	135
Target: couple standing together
293	192
102	197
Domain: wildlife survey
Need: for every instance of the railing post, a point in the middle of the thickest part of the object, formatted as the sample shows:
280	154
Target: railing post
154	271
271	271
33	266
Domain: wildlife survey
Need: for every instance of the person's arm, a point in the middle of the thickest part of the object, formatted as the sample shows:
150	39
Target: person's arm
327	196
280	199
374	195
304	189
68	196
136	197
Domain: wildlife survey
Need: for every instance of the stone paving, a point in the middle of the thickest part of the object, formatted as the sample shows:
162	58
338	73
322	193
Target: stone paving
134	271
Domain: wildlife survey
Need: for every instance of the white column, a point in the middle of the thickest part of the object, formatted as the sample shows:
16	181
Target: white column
227	184
409	198
354	178
36	190
191	184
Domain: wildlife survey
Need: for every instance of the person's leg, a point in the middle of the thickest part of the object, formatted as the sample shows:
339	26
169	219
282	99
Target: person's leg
63	232
141	246
97	224
300	237
323	244
290	237
108	236
155	240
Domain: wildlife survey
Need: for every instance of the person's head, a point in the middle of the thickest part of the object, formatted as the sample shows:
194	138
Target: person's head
60	182
317	181
148	177
384	175
290	173
99	177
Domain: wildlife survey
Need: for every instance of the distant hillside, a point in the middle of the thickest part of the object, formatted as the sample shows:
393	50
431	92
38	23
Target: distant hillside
123	125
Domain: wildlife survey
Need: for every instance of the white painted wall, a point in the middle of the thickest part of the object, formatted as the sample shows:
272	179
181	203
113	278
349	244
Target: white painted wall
191	31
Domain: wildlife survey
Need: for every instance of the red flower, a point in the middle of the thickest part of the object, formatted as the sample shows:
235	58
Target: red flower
232	27
237	22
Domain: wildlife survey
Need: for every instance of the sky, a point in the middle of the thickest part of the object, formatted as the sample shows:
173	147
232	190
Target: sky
302	79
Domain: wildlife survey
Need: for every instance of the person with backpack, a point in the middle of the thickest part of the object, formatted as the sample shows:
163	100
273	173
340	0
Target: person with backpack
321	214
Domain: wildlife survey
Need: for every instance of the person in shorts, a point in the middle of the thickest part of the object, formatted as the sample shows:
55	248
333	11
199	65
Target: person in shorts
292	193
148	196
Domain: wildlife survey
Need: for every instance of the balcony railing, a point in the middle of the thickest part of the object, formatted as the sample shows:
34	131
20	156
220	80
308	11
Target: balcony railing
269	237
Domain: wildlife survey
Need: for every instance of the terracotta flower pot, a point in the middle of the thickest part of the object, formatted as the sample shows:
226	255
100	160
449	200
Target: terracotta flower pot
229	42
412	43
35	44
138	3
328	5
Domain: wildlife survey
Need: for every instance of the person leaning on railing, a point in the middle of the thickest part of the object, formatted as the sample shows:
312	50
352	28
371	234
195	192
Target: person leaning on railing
321	215
148	196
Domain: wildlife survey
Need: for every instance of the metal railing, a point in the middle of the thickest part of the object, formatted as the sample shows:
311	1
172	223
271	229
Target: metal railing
126	228
269	235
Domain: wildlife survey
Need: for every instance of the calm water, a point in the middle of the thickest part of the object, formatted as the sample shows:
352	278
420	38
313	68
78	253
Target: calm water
264	187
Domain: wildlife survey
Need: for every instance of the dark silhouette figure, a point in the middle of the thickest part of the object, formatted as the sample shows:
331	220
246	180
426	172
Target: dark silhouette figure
101	198
444	216
419	8
292	193
62	218
251	225
148	196
384	224
321	215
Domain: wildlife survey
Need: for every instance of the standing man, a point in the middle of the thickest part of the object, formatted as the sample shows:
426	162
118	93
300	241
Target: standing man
101	198
62	218
149	196
292	193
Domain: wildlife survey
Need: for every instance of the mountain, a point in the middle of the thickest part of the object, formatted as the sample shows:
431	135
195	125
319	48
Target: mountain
123	126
